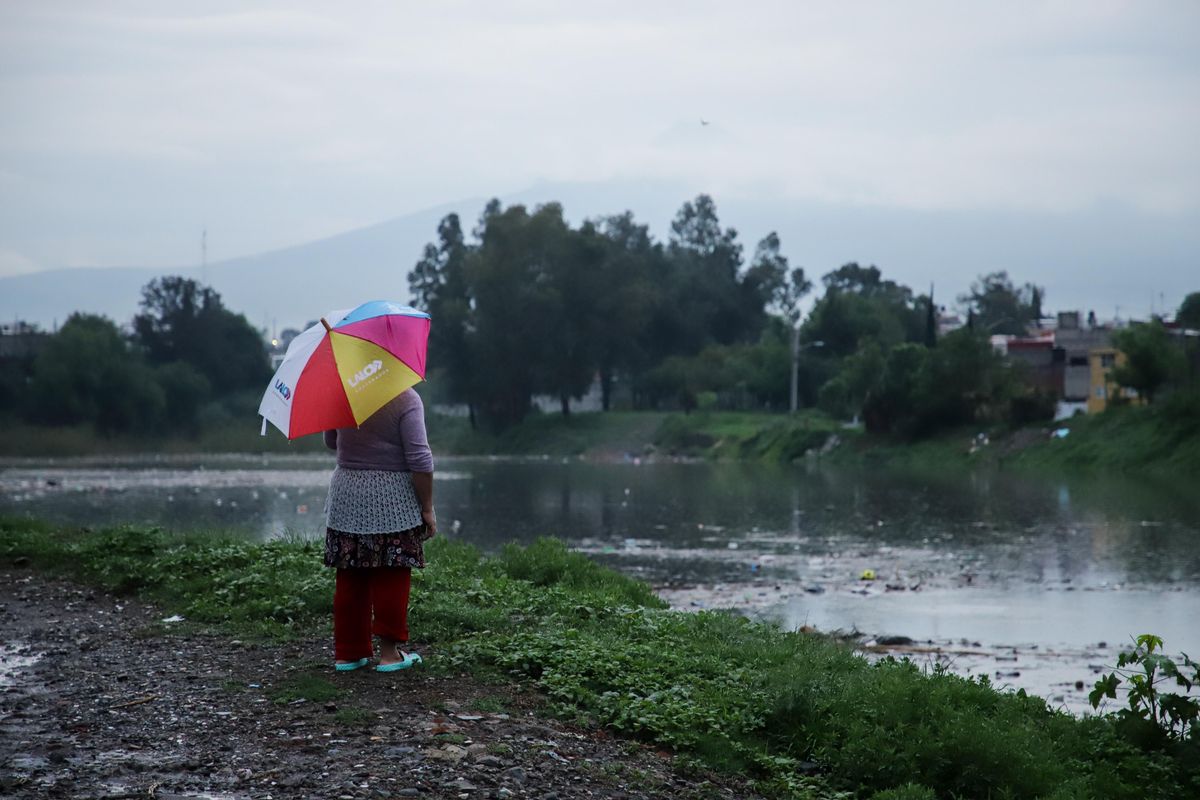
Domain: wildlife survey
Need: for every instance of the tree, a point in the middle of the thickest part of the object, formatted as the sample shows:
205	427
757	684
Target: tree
520	339
1189	312
182	320
87	374
858	305
780	289
996	306
440	287
185	390
569	274
891	403
1151	358
711	302
844	394
632	275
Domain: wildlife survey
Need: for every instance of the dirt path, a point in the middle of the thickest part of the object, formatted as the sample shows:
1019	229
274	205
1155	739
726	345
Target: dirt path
101	699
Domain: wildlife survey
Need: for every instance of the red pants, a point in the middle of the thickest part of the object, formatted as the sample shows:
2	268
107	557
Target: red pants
358	593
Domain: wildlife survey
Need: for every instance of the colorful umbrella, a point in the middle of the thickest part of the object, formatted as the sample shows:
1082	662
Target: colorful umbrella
345	368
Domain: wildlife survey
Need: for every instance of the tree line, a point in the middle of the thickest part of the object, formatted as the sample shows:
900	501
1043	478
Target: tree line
187	362
527	304
532	305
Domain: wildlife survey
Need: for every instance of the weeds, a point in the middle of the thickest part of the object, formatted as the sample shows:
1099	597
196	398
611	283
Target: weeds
353	717
310	688
1154	713
488	705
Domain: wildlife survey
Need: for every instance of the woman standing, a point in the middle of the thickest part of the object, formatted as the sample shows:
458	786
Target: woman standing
378	516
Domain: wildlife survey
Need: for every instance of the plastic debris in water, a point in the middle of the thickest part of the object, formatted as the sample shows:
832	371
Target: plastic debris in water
173	619
867	575
302	508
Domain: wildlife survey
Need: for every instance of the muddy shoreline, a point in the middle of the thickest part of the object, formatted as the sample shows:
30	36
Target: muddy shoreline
100	698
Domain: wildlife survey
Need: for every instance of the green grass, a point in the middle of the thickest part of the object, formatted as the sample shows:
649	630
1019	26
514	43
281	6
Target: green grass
734	435
548	434
354	717
1163	438
307	687
35	441
489	705
727	692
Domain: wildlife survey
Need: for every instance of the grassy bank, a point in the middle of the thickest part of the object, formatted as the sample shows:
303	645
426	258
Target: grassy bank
801	713
612	433
1164	438
35	441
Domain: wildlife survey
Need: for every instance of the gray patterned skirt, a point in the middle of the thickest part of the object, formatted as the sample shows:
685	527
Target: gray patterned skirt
373	519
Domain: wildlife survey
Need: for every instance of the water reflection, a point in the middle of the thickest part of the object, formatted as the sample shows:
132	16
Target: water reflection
998	527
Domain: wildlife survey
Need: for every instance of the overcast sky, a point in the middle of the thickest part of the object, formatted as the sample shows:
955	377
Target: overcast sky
126	127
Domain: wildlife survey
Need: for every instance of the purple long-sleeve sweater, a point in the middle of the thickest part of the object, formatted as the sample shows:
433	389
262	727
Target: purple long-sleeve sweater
393	438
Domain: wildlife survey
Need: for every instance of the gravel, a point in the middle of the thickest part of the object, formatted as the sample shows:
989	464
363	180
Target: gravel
100	698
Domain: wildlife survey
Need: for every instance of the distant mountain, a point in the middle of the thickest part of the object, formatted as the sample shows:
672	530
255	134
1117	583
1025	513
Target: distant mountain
1096	258
279	288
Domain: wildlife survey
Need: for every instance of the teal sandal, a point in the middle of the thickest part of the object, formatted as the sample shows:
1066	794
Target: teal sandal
410	659
347	666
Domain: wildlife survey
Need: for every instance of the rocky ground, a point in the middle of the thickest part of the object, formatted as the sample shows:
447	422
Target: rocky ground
101	698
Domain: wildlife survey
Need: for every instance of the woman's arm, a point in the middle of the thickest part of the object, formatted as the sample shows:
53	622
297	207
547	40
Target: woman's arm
419	458
423	484
331	439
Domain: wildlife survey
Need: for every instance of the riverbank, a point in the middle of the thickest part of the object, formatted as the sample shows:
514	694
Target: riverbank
1162	439
100	698
799	715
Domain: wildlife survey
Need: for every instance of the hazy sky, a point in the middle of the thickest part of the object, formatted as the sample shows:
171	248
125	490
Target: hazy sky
125	127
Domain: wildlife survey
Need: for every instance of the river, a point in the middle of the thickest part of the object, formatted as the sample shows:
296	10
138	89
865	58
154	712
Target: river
1035	583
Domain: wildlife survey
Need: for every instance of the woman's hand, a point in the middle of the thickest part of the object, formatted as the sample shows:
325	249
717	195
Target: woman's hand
430	519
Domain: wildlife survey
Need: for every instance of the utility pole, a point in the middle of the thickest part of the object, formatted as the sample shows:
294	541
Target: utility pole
795	365
204	256
796	348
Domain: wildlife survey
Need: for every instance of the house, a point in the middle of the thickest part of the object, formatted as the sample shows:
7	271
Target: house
1077	343
1041	363
21	341
1101	387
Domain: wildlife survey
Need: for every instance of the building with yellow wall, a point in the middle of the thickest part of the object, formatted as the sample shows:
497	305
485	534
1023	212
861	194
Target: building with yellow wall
1103	389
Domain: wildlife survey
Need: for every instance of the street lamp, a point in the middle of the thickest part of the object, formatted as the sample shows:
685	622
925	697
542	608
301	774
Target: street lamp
796	348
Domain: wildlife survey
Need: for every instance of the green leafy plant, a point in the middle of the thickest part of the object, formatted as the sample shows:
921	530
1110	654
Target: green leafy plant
1143	670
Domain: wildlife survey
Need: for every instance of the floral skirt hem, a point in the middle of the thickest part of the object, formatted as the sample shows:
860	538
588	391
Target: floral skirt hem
355	550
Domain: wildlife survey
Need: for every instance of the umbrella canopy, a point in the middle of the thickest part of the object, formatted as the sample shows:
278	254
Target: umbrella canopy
345	368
